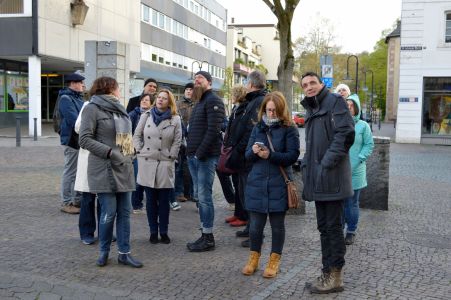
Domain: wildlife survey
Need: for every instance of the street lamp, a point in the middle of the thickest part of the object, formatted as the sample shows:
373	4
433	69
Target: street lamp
199	64
356	72
372	92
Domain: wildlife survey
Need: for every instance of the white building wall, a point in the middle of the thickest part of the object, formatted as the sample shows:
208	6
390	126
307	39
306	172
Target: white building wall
270	51
422	25
109	20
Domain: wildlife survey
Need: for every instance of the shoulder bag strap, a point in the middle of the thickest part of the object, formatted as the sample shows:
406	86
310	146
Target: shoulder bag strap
284	174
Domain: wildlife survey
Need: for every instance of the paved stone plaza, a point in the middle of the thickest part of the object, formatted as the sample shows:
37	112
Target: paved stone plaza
403	253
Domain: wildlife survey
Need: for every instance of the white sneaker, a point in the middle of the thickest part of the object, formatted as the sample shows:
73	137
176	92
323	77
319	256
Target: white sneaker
175	205
139	211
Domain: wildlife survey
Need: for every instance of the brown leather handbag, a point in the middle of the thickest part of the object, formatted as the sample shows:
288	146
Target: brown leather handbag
292	191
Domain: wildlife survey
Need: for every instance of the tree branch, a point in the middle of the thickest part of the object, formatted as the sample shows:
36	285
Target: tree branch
271	6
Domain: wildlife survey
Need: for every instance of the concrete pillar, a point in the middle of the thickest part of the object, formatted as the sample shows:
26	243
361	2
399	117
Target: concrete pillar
375	195
34	94
108	58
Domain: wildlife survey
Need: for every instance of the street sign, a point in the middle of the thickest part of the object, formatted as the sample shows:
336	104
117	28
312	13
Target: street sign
328	82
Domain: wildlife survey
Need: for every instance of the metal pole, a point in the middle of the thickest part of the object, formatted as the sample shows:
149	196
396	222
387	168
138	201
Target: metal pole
18	132
356	75
35	132
371	101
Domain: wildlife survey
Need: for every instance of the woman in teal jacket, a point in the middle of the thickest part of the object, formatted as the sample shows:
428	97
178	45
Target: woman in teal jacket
359	153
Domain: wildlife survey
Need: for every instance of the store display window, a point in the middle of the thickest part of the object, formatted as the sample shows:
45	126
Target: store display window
437	106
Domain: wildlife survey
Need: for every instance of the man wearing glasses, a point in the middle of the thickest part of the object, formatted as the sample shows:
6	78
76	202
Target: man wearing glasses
326	172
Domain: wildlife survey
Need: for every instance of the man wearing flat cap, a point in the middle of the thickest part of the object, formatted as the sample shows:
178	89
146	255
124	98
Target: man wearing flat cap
203	149
70	102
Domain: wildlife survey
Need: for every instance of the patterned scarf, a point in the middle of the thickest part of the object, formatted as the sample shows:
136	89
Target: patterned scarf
270	122
122	121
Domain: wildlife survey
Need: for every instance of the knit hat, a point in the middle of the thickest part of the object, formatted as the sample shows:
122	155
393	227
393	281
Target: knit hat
343	86
189	85
204	74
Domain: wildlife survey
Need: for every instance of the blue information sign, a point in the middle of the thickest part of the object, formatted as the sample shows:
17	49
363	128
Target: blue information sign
328	82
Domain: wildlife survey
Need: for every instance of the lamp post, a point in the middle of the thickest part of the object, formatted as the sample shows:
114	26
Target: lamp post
371	99
199	64
356	72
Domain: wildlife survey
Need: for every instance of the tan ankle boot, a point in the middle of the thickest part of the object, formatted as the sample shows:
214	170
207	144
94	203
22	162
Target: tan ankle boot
329	283
273	266
252	263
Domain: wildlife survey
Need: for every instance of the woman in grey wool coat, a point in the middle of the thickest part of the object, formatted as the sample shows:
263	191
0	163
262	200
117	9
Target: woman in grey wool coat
106	132
157	142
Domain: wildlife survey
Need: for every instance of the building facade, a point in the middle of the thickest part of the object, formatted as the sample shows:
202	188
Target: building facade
44	44
424	104
180	37
243	54
393	41
168	40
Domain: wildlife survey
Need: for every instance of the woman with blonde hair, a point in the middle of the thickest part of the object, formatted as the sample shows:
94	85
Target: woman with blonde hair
157	141
274	143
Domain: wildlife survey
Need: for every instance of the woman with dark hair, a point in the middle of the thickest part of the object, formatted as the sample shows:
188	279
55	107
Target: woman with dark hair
157	141
106	132
266	191
145	102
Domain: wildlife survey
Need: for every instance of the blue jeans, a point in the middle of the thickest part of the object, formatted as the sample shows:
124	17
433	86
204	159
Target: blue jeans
115	205
351	218
87	219
138	195
157	207
68	195
203	174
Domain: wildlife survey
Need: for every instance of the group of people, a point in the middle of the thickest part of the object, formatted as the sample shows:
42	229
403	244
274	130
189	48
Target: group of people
169	151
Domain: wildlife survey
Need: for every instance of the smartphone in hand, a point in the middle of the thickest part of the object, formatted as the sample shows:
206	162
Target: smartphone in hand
261	145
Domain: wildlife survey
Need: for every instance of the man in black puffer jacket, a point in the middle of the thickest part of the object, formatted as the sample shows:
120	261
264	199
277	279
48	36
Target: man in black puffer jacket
203	149
326	172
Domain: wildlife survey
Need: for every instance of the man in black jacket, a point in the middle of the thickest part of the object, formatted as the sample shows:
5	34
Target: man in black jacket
203	149
150	87
240	130
326	172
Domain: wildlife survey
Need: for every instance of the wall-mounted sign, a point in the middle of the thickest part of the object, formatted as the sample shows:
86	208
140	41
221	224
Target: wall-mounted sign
408	99
412	48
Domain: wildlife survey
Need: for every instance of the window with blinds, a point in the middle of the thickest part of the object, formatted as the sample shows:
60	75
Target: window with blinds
448	28
11	7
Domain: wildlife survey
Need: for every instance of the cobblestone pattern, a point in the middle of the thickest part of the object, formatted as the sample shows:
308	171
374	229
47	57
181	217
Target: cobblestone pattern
402	253
375	195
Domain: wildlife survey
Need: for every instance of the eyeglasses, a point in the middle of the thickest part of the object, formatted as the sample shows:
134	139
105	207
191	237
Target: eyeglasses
271	110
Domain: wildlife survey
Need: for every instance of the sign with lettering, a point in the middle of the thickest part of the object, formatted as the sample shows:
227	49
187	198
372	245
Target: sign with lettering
411	48
408	99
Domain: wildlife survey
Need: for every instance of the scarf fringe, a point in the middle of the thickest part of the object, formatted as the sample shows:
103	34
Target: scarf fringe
125	141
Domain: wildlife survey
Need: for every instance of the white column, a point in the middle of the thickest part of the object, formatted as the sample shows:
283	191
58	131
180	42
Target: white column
34	92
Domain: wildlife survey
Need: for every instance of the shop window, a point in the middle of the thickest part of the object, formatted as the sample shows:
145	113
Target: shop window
2	91
448	28
437	106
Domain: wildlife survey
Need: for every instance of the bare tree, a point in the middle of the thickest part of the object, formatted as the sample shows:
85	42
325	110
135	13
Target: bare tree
286	64
319	40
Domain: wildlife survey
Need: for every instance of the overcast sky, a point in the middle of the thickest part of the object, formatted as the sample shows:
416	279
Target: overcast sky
358	24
